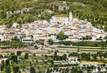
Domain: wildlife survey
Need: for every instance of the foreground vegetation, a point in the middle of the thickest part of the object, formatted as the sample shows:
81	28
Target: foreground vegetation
31	63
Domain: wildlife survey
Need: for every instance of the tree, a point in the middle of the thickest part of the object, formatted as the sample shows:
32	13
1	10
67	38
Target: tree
55	57
36	47
86	38
16	69
19	20
67	42
16	39
8	69
7	62
61	36
1	56
32	70
50	41
19	53
7	66
26	56
2	65
76	70
14	58
64	57
105	37
73	54
85	56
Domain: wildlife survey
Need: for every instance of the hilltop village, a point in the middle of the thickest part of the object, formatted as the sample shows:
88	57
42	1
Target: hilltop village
74	28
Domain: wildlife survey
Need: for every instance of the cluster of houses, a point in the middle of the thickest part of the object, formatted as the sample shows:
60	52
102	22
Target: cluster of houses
98	68
94	68
22	11
43	29
61	5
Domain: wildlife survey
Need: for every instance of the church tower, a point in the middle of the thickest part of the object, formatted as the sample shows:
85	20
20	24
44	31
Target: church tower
70	16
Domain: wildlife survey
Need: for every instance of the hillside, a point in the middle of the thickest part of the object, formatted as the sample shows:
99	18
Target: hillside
94	11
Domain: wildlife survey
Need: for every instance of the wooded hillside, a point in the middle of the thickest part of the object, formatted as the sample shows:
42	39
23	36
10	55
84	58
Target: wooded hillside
94	11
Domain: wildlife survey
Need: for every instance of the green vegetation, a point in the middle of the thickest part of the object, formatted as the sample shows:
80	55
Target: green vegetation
50	42
90	43
14	43
99	44
99	56
94	11
26	62
86	38
61	36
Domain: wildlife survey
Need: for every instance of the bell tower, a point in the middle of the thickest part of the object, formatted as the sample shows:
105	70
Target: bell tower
70	16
